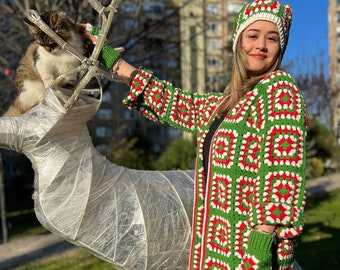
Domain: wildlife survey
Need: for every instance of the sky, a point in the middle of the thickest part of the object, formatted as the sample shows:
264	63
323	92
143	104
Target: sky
308	36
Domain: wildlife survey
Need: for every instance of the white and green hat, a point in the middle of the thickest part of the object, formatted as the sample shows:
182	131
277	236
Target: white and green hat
266	10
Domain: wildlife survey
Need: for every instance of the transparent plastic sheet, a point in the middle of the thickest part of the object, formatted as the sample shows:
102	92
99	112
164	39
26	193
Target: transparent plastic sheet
133	219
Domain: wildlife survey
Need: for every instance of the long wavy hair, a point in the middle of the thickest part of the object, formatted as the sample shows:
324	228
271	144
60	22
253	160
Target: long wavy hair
240	83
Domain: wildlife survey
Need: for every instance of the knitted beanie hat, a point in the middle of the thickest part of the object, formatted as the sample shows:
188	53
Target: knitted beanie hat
266	10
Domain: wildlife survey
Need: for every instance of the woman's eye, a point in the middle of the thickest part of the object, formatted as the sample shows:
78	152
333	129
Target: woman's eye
273	39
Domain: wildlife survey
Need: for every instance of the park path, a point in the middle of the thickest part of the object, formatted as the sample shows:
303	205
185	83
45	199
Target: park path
27	249
24	250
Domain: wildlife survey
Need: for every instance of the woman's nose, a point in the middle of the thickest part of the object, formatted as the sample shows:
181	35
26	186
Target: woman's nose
261	44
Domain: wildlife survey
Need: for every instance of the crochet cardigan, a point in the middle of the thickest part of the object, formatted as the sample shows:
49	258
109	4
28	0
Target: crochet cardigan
256	169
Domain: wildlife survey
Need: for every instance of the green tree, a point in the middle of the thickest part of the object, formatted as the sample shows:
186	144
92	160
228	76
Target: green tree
131	152
180	154
323	140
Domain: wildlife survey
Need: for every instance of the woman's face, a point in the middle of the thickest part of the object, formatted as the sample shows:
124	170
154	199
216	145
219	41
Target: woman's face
261	45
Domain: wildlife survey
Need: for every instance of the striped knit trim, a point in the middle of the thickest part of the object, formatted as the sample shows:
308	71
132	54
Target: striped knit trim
266	10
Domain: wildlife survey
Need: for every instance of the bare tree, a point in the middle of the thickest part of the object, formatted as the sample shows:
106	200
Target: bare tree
321	109
17	37
316	88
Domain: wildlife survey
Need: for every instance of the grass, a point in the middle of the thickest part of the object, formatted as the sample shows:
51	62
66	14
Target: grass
319	246
317	249
73	259
24	223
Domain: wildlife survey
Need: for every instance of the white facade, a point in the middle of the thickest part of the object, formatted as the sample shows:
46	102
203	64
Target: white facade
334	52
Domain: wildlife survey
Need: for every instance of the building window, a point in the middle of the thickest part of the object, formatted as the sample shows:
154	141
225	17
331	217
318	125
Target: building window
213	82
129	7
337	31
131	42
214	27
171	47
170	12
171	30
153	10
171	64
234	8
214	43
104	132
102	148
213	9
130	132
338	47
214	61
131	115
174	132
131	58
230	45
106	96
157	132
338	17
337	79
129	24
230	26
104	114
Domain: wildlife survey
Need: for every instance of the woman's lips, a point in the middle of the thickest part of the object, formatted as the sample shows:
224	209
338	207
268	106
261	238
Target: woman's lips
259	56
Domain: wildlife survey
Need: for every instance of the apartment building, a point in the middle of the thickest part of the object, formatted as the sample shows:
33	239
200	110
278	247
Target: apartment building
206	44
206	37
334	52
185	42
149	32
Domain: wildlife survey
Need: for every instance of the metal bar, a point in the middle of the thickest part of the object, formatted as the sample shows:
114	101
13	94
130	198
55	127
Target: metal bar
106	15
90	66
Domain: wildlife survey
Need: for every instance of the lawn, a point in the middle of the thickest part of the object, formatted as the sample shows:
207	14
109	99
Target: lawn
24	223
318	248
74	259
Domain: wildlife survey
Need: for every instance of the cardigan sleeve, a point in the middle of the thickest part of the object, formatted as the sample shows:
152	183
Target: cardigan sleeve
160	101
280	198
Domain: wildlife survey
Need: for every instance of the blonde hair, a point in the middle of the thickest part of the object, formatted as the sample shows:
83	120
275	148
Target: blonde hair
239	83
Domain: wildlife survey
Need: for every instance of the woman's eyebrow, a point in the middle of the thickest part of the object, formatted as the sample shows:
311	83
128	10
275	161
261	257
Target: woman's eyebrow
258	30
274	32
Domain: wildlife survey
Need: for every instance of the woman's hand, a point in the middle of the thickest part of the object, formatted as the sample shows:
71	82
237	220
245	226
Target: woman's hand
108	55
86	34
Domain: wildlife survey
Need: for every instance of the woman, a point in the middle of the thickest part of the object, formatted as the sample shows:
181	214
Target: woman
250	180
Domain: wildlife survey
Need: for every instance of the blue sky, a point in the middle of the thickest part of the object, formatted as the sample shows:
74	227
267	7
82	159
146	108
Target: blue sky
308	39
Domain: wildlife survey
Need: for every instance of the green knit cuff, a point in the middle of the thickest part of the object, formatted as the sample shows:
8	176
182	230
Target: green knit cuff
260	244
108	55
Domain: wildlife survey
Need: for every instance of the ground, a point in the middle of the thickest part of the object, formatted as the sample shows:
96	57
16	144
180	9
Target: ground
27	249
